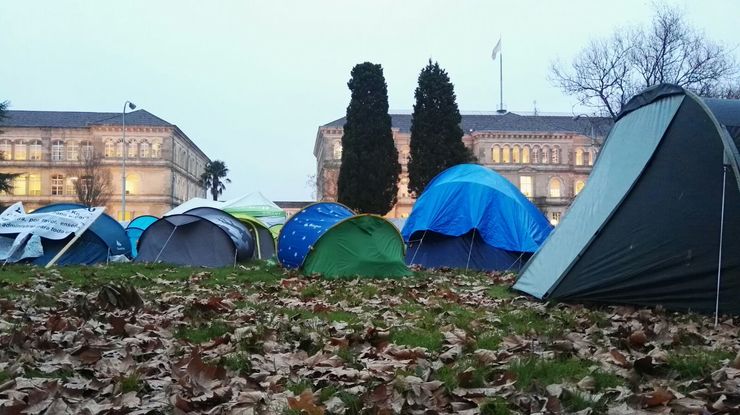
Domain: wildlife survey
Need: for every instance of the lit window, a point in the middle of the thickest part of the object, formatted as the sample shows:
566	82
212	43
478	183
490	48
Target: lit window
555	155
525	185
34	184
144	150
496	154
87	150
110	149
127	217
57	150
579	157
34	150
133	182
525	155
536	155
545	155
20	151
578	186
554	218
156	150
555	187
57	185
132	150
119	149
69	186
6	149
515	155
73	151
337	151
507	155
20	185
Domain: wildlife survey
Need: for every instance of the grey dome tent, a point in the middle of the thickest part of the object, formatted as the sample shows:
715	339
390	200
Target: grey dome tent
647	227
204	237
264	244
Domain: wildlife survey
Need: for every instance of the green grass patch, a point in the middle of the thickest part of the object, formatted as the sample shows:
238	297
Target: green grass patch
352	402
533	370
298	387
237	362
327	392
311	291
606	380
4	376
488	340
574	401
522	321
63	374
495	406
461	316
696	363
203	333
416	337
499	292
369	290
131	383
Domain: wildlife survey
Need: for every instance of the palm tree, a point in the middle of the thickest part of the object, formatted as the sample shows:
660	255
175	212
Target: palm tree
214	177
6	179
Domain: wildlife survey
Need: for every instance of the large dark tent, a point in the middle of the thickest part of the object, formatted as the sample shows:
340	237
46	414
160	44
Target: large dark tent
204	237
471	217
264	243
647	227
105	238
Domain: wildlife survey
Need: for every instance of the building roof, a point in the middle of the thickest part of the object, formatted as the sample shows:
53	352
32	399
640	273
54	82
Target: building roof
290	204
70	119
511	122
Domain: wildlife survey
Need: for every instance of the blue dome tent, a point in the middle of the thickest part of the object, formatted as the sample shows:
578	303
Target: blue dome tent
137	227
103	239
471	217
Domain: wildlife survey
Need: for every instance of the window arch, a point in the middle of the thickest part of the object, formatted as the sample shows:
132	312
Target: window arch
525	155
6	149
536	154
86	150
57	150
156	150
145	149
110	150
132	149
578	186
579	157
555	155
506	156
57	185
545	155
21	150
133	184
515	153
555	187
496	154
35	150
73	151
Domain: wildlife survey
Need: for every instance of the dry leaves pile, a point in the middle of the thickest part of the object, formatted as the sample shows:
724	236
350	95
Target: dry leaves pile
252	340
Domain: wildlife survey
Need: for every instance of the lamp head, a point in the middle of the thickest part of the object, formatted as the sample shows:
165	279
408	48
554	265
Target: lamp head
131	106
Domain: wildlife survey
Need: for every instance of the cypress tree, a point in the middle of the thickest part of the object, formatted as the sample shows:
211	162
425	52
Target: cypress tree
436	135
368	176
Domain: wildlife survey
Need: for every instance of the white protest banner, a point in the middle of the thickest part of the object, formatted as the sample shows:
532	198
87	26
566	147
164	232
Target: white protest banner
51	225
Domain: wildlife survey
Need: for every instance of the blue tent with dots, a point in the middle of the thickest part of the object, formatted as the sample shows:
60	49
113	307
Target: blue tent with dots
105	238
471	217
329	239
137	227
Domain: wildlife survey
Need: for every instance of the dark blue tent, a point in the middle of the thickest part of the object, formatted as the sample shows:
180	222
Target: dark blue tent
104	238
135	228
302	231
471	217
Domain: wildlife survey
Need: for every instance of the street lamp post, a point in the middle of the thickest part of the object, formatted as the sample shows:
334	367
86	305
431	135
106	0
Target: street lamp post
131	106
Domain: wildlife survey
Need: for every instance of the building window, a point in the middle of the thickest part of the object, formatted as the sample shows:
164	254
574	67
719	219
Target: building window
555	155
57	185
578	186
69	186
133	182
515	155
20	185
587	158
545	155
525	185
35	150
34	184
536	155
119	149
144	150
525	155
555	186
130	214
156	150
20	151
57	150
337	151
496	154
132	150
554	218
109	149
87	150
73	151
6	149
506	156
579	157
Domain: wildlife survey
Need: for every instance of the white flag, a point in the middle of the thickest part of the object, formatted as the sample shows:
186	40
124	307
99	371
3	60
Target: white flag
496	49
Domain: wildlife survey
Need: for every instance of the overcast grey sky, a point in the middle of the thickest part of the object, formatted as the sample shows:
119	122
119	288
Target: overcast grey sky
250	81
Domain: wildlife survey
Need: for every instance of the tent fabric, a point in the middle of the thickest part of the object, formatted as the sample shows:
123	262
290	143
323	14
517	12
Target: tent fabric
471	217
137	227
363	245
254	205
469	196
303	229
103	239
262	235
202	237
329	239
653	240
193	203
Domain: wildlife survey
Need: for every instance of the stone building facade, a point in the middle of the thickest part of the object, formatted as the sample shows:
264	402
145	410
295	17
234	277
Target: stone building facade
163	165
548	158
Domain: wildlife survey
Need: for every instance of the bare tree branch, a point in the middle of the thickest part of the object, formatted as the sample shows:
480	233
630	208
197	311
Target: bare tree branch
92	181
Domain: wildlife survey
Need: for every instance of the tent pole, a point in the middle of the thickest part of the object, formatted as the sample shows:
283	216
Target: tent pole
721	230
470	251
236	253
165	244
421	241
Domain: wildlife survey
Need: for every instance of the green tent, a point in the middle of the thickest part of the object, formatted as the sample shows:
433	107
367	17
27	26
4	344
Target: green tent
255	205
328	239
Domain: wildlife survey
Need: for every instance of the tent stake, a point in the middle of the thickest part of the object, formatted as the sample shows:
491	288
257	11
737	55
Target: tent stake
470	251
721	230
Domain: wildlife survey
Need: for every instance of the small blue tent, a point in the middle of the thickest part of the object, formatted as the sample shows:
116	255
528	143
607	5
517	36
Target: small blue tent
135	228
471	217
104	238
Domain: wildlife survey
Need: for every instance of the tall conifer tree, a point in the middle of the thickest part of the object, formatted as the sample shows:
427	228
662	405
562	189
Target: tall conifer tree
368	177
436	135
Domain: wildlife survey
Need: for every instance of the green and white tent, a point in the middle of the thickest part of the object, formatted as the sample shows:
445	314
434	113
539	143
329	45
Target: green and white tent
256	205
658	222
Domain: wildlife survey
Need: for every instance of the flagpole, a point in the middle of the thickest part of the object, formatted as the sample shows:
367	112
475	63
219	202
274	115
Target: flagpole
501	81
